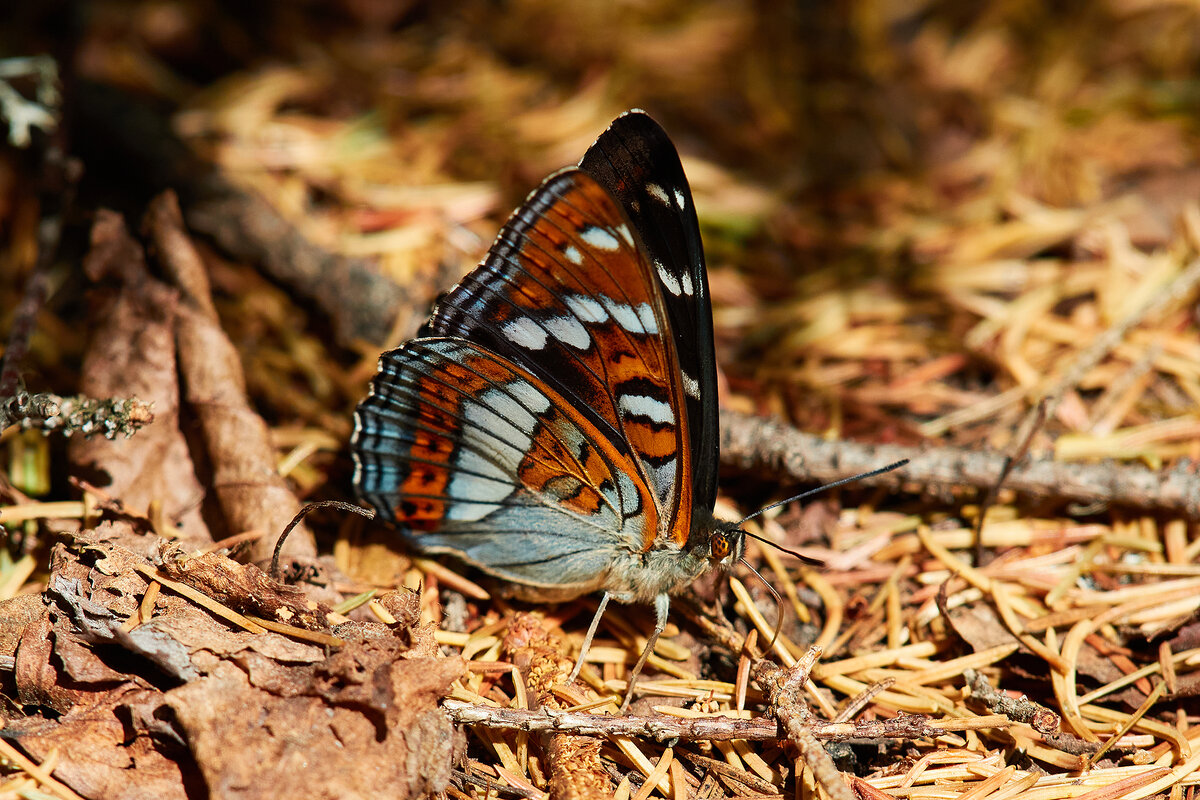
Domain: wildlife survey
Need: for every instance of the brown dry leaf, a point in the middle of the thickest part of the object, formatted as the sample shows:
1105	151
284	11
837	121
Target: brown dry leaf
117	584
39	680
360	725
249	490
250	715
131	352
981	627
15	614
102	756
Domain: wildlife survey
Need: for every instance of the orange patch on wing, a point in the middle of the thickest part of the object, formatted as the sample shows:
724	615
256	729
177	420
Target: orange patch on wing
622	275
421	506
650	442
561	476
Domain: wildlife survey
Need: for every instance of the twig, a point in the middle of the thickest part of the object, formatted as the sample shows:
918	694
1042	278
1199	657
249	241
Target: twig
860	701
661	727
362	303
1019	709
785	691
728	772
84	415
774	450
22	405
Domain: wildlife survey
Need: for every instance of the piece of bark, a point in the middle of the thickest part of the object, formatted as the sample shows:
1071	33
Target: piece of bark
249	490
131	352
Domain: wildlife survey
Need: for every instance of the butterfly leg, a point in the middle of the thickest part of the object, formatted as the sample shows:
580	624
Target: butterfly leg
587	640
662	604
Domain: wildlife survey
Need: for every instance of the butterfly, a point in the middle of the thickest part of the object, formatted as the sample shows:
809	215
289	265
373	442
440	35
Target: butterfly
555	422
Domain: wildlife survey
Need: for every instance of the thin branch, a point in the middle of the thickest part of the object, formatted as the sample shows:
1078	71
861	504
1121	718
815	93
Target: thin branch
1018	709
784	689
662	728
778	451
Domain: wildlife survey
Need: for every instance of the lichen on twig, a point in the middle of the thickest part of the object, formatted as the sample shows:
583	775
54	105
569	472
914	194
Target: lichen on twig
76	414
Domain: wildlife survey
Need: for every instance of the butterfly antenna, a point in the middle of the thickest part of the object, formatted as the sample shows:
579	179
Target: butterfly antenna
775	594
816	562
860	476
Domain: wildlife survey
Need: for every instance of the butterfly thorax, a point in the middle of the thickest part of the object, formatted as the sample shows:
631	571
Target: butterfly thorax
639	577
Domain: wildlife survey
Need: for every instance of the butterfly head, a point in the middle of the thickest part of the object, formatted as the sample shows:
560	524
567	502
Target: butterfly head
726	544
714	543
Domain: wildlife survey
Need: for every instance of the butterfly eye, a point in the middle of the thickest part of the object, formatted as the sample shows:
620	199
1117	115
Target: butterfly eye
719	546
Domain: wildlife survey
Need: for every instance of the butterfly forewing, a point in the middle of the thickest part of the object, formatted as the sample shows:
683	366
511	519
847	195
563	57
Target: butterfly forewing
461	447
637	163
569	293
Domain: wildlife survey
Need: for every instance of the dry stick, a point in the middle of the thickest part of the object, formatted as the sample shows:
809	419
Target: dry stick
860	701
661	727
785	691
1104	344
723	769
775	450
1019	709
361	301
784	688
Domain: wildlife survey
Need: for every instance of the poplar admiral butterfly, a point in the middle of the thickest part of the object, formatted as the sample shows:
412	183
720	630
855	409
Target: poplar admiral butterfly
555	424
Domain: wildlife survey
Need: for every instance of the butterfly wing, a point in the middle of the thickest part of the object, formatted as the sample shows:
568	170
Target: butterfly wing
637	163
471	454
568	292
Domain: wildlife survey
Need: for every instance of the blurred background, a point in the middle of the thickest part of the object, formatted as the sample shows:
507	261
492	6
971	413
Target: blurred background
914	212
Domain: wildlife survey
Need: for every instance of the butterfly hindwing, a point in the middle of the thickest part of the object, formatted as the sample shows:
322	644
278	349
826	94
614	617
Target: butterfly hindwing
461	447
637	163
